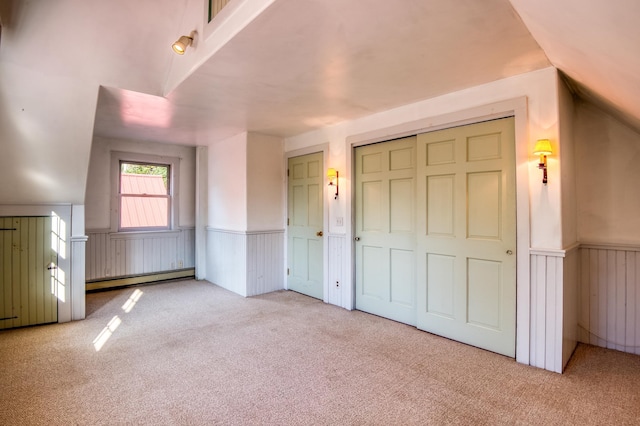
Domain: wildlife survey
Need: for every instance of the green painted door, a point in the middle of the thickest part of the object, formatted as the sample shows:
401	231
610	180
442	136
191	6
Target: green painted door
30	281
436	233
466	244
385	229
305	224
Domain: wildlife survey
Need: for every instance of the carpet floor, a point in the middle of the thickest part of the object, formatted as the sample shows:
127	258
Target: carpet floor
192	353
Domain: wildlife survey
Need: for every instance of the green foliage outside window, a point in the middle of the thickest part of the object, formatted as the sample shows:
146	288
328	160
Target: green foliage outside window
146	169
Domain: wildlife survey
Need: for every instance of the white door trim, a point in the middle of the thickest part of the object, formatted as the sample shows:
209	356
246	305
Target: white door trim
516	107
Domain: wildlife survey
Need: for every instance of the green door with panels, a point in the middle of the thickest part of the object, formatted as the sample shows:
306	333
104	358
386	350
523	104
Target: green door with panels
467	241
29	276
386	230
435	234
305	224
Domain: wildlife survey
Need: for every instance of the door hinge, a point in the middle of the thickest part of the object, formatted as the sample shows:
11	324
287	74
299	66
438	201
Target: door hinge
8	318
288	271
287	221
287	172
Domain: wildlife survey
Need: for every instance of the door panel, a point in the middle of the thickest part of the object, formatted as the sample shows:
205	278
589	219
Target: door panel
440	205
440	284
385	226
484	293
484	210
29	277
305	253
466	262
402	264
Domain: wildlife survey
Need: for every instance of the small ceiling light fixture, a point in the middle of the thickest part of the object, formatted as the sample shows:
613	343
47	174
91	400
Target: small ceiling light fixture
543	149
332	175
180	46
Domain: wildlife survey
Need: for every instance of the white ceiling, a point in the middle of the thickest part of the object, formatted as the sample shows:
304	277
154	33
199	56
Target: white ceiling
301	65
304	64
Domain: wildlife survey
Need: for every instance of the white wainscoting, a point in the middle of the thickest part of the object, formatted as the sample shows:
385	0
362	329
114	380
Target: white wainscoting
335	279
111	254
554	281
571	284
78	274
546	310
609	297
247	263
265	262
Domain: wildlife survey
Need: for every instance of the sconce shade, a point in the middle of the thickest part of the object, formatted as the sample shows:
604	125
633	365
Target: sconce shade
181	45
543	147
332	176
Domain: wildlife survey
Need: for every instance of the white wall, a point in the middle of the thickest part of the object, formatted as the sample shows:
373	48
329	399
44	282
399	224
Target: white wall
571	277
265	179
111	254
210	37
567	151
98	191
608	218
53	58
45	150
245	239
227	196
539	206
608	172
540	89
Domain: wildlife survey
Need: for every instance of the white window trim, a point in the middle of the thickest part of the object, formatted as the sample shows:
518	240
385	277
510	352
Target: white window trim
174	170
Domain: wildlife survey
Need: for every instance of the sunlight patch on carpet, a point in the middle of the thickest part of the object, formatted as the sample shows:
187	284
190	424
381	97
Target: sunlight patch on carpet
131	301
106	333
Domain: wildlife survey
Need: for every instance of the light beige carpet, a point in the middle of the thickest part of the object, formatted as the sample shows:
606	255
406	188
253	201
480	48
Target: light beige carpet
192	353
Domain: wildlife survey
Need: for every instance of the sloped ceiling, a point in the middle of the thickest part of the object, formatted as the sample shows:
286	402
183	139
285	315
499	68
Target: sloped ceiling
596	44
301	65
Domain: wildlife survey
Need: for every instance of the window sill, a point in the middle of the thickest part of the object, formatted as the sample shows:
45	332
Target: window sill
123	235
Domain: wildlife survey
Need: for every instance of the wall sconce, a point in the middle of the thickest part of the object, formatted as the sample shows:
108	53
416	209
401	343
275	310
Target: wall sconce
543	149
332	175
180	46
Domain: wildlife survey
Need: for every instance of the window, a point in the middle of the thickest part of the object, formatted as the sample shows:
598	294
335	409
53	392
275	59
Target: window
144	196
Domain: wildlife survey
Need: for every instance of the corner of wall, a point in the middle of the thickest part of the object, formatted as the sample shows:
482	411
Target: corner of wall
78	262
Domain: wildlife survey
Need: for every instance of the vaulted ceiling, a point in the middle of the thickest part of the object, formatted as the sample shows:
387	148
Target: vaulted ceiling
299	65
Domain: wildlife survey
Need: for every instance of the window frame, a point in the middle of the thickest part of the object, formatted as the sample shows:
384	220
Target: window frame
173	163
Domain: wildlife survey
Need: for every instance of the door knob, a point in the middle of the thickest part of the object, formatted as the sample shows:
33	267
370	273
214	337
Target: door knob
509	252
319	234
356	239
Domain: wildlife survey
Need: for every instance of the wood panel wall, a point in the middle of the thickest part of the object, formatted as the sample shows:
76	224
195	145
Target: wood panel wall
554	307
110	255
609	297
247	263
265	262
545	349
336	262
29	291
